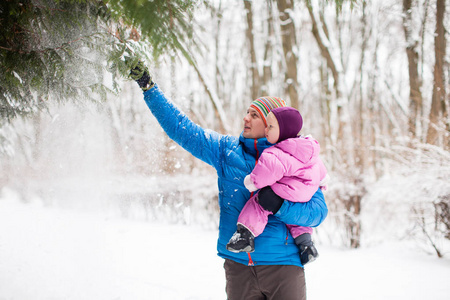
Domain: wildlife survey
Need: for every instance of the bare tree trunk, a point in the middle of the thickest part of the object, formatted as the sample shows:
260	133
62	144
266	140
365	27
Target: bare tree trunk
326	113
353	220
324	78
415	82
117	134
351	159
167	162
376	120
364	116
218	107
219	77
251	43
37	149
438	105
289	40
343	129
325	51
267	65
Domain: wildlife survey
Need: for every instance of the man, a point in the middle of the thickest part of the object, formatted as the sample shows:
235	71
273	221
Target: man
274	270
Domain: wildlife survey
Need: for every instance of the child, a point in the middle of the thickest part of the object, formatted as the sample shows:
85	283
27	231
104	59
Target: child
292	170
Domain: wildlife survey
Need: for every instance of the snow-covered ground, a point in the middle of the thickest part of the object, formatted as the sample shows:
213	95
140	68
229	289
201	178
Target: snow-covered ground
53	253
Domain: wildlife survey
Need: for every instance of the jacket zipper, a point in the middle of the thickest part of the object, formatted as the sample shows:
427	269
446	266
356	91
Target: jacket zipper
250	260
287	234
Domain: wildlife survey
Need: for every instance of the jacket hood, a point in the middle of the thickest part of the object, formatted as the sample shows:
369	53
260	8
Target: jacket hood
305	149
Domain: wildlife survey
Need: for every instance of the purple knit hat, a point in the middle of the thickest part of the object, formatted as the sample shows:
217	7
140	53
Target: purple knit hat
289	120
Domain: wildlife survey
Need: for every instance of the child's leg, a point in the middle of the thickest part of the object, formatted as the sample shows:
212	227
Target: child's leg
253	216
256	211
253	219
302	237
299	230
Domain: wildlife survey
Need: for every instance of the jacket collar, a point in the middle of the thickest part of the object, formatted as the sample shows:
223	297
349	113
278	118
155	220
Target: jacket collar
254	146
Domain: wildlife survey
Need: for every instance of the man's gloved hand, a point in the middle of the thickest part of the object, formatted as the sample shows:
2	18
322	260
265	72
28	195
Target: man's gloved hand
141	75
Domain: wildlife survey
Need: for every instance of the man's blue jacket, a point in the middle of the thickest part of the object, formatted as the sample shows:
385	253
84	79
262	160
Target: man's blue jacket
234	158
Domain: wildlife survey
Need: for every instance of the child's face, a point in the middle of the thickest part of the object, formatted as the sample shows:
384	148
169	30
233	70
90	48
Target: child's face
272	129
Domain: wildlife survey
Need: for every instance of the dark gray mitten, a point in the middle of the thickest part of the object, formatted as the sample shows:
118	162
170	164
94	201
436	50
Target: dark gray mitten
308	252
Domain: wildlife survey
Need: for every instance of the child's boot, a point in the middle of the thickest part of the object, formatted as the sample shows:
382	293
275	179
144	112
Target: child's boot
308	252
242	240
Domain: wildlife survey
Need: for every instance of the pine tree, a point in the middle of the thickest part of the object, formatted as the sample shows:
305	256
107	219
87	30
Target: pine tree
61	50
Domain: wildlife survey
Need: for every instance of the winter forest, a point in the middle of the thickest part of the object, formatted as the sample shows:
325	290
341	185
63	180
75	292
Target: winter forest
370	78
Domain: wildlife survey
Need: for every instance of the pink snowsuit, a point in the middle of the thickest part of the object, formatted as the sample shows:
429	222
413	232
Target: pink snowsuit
294	171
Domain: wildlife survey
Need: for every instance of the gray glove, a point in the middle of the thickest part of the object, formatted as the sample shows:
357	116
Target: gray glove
141	75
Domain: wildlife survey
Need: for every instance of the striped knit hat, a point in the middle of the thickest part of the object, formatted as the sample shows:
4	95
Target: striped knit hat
264	105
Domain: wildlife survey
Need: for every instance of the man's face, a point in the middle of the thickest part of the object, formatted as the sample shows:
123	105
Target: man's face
254	127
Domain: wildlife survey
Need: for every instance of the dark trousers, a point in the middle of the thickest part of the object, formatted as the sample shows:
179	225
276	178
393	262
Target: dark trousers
264	282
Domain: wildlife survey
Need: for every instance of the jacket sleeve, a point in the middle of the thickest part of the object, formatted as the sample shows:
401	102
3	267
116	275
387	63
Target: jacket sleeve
310	214
202	143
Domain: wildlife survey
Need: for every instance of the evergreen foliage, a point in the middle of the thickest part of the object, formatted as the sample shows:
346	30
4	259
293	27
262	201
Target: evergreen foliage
165	25
62	49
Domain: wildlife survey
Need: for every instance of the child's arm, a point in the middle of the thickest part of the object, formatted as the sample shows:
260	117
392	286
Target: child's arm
267	171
